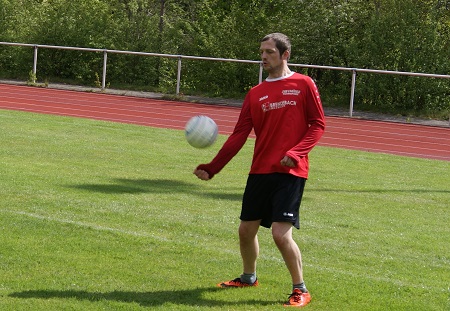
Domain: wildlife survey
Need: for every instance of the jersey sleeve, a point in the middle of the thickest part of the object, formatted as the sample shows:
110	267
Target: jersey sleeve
316	122
233	144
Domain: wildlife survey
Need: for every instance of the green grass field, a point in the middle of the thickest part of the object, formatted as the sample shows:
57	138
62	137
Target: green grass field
106	216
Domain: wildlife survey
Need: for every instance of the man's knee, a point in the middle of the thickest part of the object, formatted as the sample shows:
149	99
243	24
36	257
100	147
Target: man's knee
248	229
282	233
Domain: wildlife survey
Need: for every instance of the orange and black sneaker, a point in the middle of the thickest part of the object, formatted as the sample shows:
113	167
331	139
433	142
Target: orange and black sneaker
237	283
298	299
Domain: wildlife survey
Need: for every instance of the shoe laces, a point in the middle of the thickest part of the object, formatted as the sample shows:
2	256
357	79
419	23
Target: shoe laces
237	281
295	296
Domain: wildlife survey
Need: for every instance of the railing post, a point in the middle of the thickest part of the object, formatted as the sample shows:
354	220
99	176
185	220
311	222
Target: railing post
352	94
260	72
35	55
105	59
178	76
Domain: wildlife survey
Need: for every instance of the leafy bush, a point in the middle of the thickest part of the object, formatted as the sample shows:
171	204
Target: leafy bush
388	35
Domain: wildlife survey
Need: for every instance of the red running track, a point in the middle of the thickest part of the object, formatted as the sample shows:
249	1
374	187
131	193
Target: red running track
341	132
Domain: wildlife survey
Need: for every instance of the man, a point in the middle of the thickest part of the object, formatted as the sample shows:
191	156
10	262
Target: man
286	114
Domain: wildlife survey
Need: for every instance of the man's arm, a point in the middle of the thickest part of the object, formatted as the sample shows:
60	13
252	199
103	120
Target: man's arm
231	147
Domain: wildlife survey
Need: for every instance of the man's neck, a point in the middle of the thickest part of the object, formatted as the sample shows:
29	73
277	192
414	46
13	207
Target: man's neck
284	71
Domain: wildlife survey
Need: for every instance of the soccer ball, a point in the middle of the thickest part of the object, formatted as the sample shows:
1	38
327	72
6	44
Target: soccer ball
201	131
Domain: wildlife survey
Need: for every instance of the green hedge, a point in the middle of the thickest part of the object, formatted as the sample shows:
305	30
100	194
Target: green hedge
386	34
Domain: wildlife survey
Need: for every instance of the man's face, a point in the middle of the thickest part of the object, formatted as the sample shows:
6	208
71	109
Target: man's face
270	56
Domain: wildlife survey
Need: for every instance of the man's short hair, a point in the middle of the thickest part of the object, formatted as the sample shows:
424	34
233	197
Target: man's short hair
282	41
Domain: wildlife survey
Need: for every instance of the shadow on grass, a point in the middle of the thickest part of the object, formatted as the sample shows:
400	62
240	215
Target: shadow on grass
136	186
382	190
192	297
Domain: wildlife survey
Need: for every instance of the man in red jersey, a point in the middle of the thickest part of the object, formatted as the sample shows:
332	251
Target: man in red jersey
286	114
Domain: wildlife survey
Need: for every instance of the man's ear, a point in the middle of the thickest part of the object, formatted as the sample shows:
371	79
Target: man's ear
286	55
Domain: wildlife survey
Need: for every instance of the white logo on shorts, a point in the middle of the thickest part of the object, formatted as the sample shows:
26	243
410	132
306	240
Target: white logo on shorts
288	214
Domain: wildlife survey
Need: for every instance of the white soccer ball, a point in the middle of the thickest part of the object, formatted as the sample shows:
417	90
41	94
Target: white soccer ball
201	131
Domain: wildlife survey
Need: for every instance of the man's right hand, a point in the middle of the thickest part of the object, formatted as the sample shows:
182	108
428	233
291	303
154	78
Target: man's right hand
201	174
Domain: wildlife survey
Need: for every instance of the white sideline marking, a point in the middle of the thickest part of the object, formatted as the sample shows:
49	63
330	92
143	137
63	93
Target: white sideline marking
265	257
86	225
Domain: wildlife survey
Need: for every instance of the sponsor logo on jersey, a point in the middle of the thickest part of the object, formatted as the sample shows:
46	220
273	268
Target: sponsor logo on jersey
264	97
291	92
278	105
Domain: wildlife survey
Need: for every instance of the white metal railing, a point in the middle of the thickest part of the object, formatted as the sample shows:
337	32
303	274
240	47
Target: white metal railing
105	52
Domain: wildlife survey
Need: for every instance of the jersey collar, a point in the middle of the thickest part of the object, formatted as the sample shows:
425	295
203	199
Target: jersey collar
280	78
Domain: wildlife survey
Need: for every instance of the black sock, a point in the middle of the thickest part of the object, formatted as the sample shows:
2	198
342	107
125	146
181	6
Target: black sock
249	278
301	287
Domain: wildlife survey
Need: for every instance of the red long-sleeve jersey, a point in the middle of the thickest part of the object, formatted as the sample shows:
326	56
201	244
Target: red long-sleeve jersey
287	117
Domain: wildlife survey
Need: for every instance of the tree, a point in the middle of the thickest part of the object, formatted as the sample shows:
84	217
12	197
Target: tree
379	34
405	36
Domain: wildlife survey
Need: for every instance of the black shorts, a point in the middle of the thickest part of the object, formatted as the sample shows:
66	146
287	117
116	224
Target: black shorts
272	198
